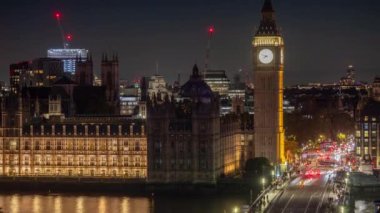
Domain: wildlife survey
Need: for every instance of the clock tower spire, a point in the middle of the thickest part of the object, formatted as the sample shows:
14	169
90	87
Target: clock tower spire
268	63
268	22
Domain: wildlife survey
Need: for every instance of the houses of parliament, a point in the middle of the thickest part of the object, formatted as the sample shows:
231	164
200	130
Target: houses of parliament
183	138
59	125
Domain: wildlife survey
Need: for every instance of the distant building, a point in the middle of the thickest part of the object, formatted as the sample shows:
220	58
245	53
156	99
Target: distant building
36	73
349	79
130	97
15	73
368	127
156	85
217	80
69	57
97	81
44	72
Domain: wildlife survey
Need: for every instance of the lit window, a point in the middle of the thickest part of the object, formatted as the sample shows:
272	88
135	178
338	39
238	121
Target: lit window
357	134
366	134
366	126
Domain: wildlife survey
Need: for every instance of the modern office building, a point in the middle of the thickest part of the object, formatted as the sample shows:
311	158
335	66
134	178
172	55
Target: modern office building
368	127
217	80
69	57
15	73
39	72
268	63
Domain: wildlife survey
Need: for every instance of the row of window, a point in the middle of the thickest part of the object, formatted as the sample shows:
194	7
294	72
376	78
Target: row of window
13	145
366	118
365	151
358	133
80	172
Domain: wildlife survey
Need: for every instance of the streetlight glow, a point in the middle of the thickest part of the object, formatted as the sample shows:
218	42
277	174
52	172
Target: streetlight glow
236	209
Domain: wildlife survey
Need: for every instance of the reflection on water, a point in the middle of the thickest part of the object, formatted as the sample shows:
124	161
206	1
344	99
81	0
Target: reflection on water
61	203
36	204
17	203
58	204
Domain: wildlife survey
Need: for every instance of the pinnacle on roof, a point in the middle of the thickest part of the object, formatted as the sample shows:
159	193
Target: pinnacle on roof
268	7
268	24
195	70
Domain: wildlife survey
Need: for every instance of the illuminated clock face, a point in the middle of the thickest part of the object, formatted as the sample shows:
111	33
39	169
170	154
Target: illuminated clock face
266	56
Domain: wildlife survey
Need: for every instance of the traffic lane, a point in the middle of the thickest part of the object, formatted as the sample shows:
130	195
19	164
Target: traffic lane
286	198
302	195
320	188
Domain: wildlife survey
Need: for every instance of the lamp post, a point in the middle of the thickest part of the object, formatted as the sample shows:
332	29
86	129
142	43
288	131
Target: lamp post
236	210
263	182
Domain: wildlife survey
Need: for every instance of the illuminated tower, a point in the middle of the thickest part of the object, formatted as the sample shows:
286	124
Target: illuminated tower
268	63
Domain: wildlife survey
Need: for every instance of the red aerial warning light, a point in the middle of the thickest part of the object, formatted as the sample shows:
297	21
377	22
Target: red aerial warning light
211	29
69	37
57	15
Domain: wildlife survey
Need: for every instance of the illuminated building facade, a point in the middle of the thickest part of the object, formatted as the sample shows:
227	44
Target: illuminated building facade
69	57
349	79
268	63
15	73
368	127
188	141
130	96
217	80
102	147
39	72
155	85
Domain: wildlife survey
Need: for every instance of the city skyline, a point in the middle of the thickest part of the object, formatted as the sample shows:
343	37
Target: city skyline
112	118
128	29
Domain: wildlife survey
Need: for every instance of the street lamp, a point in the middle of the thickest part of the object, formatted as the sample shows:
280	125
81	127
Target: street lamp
263	182
236	209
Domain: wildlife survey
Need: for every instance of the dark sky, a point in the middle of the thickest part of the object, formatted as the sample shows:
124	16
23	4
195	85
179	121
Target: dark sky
322	36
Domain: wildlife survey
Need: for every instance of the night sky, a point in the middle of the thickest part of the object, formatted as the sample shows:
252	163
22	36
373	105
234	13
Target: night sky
322	36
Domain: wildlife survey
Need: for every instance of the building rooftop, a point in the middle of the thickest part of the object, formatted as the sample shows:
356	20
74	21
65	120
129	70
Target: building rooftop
196	87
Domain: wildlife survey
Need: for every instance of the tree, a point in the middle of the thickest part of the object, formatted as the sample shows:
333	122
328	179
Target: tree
291	148
258	167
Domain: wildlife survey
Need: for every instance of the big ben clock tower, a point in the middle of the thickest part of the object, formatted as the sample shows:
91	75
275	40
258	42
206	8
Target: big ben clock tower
268	64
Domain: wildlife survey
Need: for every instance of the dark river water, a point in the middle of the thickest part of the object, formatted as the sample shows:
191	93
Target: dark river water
66	203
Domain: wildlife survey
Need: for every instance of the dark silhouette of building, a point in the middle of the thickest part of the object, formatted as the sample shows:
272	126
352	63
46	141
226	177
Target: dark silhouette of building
110	80
84	73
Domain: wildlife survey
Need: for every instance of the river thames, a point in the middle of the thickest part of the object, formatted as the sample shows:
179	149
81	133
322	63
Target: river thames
62	203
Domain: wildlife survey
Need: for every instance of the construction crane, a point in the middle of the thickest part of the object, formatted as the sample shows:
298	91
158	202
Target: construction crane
66	38
210	32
